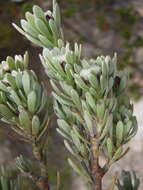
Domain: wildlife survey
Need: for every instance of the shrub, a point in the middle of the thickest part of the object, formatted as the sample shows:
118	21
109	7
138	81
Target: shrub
95	116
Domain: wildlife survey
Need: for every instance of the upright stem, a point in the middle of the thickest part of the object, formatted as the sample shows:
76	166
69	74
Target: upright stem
97	171
43	182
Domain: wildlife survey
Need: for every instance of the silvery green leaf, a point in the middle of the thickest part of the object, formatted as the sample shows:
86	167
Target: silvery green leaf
50	65
11	80
38	90
77	51
34	40
127	128
11	63
85	106
129	113
45	41
88	121
111	82
29	29
38	12
63	134
110	145
105	68
59	68
116	155
24	165
33	76
32	101
3	97
30	18
43	101
6	121
60	43
45	119
77	68
134	120
26	82
19	29
47	53
66	88
76	168
75	139
68	70
93	80
119	132
12	106
35	125
58	110
103	83
133	131
26	60
68	114
54	29
113	65
123	83
77	132
80	82
64	126
19	65
18	80
54	86
20	108
112	104
42	28
106	115
62	94
6	112
78	117
69	148
69	57
54	4
75	98
95	93
57	15
15	97
3	87
108	125
107	59
25	121
63	100
22	97
100	110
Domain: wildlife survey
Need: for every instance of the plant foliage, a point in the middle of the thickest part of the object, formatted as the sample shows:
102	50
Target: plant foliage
95	116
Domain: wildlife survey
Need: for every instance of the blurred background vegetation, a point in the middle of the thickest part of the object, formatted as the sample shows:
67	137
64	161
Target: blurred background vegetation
103	27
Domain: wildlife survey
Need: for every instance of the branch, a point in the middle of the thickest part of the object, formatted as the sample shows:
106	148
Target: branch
43	182
97	171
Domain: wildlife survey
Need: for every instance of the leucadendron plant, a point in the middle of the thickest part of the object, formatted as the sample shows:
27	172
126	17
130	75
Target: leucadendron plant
95	116
23	105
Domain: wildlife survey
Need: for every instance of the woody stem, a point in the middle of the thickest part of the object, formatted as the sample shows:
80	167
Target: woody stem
43	183
97	171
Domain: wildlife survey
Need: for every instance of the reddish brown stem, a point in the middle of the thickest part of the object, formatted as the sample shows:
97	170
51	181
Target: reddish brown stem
97	171
42	182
